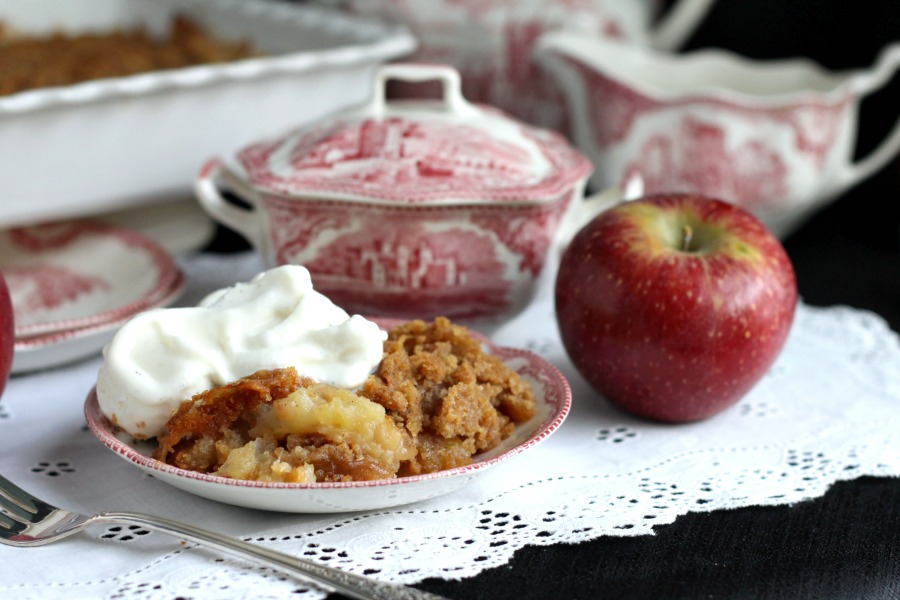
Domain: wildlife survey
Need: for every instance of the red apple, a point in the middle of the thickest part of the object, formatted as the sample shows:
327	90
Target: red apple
7	333
674	306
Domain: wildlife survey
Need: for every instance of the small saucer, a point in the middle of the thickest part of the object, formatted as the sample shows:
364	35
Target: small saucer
81	274
179	226
58	348
551	391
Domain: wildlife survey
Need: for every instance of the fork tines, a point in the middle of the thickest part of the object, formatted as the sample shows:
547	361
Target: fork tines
17	505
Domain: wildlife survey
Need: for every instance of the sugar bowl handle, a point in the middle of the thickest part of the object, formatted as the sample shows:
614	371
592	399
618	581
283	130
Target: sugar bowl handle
452	99
631	188
245	221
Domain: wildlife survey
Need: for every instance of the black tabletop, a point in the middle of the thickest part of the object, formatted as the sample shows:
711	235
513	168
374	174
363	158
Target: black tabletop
845	544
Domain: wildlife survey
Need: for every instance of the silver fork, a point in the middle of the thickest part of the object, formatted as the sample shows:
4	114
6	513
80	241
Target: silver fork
26	520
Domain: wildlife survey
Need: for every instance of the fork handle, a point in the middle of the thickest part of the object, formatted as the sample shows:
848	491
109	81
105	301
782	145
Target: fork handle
343	582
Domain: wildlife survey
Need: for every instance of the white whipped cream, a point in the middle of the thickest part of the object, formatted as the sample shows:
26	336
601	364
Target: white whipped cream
162	357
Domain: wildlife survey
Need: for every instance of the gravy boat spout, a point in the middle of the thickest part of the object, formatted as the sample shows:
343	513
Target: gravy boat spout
776	137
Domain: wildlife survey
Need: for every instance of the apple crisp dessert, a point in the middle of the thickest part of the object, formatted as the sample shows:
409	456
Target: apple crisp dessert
435	401
30	62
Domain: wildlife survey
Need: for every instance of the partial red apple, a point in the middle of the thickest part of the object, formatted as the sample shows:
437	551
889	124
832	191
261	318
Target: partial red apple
674	306
7	333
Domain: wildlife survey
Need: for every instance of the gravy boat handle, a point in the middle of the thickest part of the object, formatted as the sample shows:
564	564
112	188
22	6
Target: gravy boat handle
678	23
863	84
591	206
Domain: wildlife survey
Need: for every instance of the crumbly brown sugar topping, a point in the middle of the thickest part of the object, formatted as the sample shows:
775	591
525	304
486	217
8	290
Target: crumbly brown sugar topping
436	400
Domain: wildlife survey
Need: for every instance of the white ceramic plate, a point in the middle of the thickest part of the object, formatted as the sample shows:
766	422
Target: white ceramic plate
179	226
59	348
554	400
81	274
91	147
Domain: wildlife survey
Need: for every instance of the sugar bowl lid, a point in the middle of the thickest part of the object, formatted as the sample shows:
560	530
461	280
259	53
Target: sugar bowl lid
445	151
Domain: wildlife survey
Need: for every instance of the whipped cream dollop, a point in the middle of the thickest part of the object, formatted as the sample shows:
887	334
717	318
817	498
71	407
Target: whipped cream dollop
162	357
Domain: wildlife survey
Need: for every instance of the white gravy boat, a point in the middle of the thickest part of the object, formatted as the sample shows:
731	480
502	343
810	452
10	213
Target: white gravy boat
490	42
776	137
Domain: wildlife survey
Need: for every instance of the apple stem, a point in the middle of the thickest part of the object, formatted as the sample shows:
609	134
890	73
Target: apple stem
686	235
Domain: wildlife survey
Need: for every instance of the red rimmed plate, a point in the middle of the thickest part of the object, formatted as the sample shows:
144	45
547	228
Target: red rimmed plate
52	349
554	401
81	274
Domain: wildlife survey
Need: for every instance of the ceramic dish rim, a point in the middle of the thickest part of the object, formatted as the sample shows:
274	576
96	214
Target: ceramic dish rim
845	83
167	276
370	37
43	339
101	427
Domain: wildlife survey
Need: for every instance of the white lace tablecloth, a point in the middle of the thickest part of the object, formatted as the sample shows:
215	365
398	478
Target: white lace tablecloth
827	411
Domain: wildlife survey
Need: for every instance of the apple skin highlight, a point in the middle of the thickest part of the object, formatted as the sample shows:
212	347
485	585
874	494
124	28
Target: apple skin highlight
668	330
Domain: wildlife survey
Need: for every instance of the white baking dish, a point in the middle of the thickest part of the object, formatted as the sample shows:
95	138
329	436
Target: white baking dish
95	146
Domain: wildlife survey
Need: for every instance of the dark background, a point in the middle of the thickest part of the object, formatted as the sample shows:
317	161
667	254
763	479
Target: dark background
847	543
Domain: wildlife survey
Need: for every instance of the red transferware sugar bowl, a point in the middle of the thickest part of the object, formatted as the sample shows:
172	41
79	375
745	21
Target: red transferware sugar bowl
409	208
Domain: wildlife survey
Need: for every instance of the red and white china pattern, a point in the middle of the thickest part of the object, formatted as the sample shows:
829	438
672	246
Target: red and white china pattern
776	138
551	389
465	261
699	149
491	42
72	283
407	209
81	273
407	161
65	346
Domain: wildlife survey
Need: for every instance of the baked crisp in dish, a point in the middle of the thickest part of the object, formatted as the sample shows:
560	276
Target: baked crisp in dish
435	401
28	62
452	398
277	426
